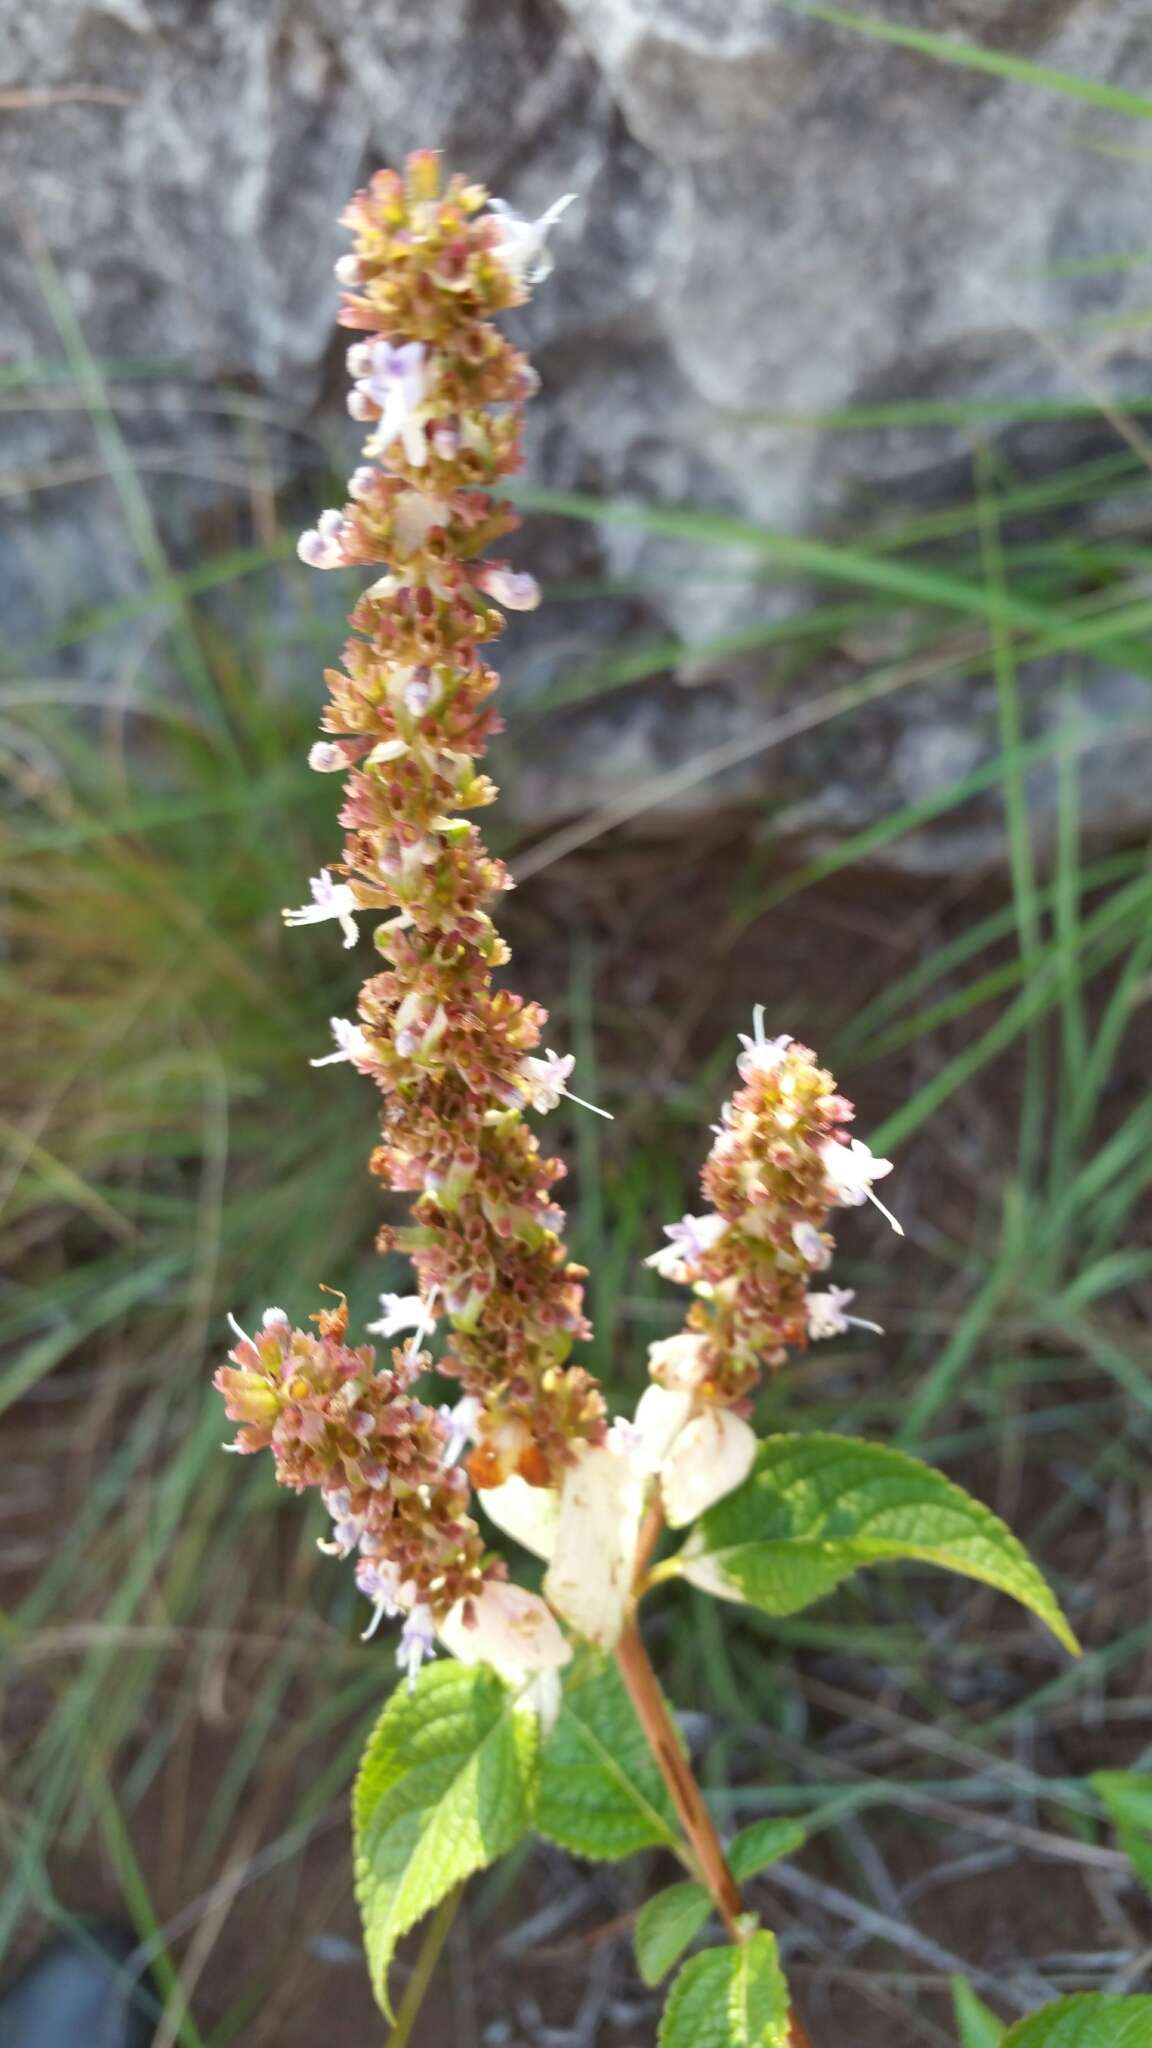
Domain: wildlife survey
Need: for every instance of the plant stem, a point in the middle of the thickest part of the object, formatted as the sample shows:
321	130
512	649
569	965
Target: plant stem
652	1713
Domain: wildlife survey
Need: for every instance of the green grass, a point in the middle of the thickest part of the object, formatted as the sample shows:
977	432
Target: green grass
182	1670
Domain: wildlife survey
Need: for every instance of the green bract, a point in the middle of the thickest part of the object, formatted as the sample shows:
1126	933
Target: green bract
447	1784
816	1508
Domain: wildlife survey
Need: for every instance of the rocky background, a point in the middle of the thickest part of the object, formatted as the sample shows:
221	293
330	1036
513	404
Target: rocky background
777	219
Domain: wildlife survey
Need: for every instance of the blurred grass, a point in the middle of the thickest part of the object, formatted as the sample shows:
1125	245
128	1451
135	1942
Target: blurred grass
183	1687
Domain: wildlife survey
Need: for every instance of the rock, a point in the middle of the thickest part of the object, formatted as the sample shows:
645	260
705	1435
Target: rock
779	219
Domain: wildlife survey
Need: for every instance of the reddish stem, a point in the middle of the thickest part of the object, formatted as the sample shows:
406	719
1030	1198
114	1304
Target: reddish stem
653	1715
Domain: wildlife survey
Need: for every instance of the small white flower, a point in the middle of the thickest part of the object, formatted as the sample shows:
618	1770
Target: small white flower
396	382
708	1457
329	899
523	244
399	1312
811	1246
351	1044
826	1317
760	1055
850	1171
547	1079
327	758
274	1319
348	270
511	1629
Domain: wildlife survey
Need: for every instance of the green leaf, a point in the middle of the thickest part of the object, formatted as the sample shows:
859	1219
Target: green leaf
729	1998
765	1842
979	2028
815	1508
1091	2019
1127	1798
447	1783
601	1794
666	1925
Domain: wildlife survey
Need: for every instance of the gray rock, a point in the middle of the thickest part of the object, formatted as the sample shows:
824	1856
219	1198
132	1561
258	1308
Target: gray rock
778	219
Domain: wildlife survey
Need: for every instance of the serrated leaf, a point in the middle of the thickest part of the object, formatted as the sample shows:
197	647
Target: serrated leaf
601	1793
666	1925
1090	2019
816	1508
765	1842
729	1998
978	2027
447	1783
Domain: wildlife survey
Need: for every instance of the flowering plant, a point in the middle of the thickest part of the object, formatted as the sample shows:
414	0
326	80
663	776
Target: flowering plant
518	1708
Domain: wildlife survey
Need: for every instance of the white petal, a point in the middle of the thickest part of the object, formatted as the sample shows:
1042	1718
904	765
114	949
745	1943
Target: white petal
590	1579
710	1456
529	1514
512	1630
660	1416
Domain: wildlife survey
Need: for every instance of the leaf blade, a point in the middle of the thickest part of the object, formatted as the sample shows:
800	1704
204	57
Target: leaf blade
814	1509
665	1925
447	1784
1089	2019
729	1998
601	1794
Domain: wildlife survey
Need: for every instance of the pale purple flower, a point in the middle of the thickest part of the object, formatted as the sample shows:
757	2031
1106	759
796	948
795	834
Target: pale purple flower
811	1246
329	899
321	547
850	1171
327	758
826	1317
689	1240
513	588
417	1641
461	1423
351	1044
380	1583
396	381
523	245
